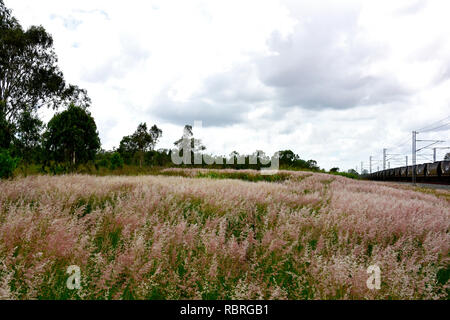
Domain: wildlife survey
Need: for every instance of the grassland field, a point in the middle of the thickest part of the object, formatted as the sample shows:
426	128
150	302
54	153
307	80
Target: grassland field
222	234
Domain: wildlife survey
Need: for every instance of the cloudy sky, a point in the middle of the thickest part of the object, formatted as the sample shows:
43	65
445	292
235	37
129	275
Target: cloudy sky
333	81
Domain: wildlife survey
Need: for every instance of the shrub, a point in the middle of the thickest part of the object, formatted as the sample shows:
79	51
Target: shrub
116	161
350	175
7	164
103	163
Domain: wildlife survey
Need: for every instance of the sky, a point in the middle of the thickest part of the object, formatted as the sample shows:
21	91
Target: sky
333	81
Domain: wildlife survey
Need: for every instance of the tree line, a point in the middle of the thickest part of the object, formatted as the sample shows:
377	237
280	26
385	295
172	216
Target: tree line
30	79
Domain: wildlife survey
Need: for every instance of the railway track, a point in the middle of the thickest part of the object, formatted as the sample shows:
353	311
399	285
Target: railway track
445	186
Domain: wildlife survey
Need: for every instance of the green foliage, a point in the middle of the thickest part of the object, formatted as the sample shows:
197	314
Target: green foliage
102	159
351	175
289	160
28	136
7	164
71	137
140	142
103	163
279	177
288	157
116	161
29	73
6	129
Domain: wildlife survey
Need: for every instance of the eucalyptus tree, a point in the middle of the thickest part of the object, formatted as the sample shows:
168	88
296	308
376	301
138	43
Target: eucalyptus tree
29	75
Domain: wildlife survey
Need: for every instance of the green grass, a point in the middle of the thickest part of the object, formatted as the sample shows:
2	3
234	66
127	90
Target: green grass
244	176
345	174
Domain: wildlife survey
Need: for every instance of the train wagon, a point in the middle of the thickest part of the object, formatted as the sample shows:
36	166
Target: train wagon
403	173
397	173
433	172
387	175
445	171
421	172
410	171
437	172
392	174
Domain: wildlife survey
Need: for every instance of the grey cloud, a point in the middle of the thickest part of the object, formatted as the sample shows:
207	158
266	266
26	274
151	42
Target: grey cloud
224	99
238	85
211	114
324	64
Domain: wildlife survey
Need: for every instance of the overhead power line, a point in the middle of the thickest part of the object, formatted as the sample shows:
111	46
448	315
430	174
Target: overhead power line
436	128
433	124
402	157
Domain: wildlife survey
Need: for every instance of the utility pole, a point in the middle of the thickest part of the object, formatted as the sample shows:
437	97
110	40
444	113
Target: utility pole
370	165
414	149
406	160
378	168
384	159
389	165
434	155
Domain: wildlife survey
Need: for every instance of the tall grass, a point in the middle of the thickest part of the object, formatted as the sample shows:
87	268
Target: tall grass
309	236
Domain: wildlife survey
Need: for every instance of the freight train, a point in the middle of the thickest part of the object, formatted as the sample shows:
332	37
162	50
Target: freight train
437	172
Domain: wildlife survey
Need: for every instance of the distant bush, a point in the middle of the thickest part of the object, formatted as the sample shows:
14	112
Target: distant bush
7	164
346	174
57	168
116	161
103	163
243	176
